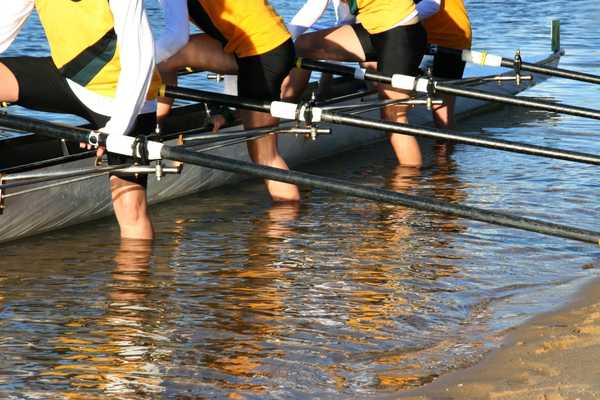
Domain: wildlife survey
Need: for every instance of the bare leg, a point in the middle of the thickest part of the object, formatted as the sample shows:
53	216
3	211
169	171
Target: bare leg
337	44
263	151
131	209
443	114
406	147
202	52
9	87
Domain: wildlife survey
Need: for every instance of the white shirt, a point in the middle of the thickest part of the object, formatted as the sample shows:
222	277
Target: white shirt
427	8
314	9
176	33
136	55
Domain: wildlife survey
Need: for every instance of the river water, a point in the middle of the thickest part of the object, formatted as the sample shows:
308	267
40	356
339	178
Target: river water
336	298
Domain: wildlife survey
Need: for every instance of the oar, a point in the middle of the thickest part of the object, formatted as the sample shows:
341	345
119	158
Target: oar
124	145
424	85
491	60
315	114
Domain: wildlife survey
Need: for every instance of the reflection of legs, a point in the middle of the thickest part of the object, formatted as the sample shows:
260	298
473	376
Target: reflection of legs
336	44
131	209
202	52
263	151
406	147
9	87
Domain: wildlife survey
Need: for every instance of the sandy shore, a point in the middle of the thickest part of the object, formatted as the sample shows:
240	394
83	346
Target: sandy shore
553	356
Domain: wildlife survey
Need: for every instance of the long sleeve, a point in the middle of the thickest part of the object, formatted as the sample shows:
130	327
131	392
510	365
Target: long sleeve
176	33
307	16
12	18
427	8
137	63
342	12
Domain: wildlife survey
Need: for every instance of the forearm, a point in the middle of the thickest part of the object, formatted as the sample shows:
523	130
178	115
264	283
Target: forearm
428	8
137	63
307	16
177	29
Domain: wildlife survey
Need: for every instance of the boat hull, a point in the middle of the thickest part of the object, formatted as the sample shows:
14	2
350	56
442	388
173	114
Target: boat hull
86	200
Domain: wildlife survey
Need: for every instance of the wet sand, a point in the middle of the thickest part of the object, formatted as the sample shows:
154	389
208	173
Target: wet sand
552	357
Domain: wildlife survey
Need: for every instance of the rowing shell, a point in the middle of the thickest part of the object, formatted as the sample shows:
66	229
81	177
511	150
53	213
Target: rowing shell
85	199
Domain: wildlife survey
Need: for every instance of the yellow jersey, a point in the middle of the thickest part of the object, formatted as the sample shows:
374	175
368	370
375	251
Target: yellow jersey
248	27
83	43
380	15
450	27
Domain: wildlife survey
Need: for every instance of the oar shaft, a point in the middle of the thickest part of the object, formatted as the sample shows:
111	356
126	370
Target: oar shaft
483	58
410	83
557	72
49	129
343	70
517	101
119	144
431	133
209	97
290	112
366	192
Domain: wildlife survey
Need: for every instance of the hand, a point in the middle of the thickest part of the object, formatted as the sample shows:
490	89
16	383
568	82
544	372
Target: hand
217	122
99	151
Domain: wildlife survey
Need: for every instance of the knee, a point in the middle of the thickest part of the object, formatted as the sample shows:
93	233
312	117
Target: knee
129	200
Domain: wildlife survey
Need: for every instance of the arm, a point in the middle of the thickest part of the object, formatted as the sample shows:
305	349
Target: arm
343	15
137	63
177	29
427	8
13	16
307	16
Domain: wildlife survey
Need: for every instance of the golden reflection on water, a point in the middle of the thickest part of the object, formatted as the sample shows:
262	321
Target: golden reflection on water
118	357
377	308
123	352
252	305
254	298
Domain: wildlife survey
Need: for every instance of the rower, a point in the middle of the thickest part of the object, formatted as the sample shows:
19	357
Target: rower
387	31
447	25
101	69
249	39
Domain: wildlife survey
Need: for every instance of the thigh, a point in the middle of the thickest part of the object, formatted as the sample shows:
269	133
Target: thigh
338	44
9	86
42	87
400	49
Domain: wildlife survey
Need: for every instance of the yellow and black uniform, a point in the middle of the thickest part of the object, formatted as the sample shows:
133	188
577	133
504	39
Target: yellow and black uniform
389	35
88	56
381	15
256	35
449	27
84	52
83	48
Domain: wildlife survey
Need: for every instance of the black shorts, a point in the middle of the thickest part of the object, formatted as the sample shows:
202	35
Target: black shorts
397	51
448	66
43	88
260	76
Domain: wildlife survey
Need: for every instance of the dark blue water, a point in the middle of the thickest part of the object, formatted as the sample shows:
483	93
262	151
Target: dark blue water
336	298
